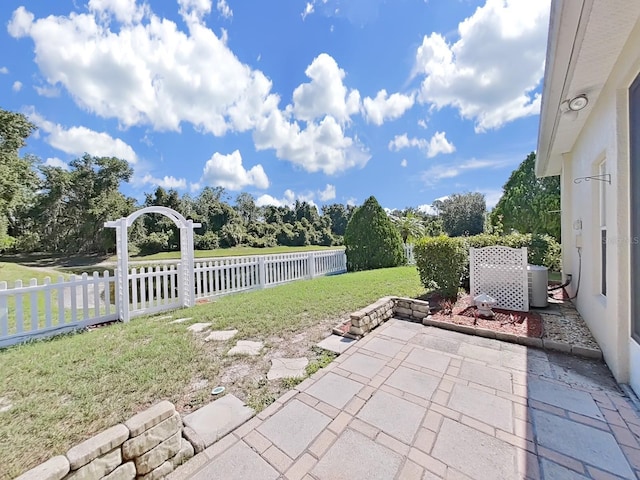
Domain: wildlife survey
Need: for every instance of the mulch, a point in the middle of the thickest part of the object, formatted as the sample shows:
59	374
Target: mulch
464	312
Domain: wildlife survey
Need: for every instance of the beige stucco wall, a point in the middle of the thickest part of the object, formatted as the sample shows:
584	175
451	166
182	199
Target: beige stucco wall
604	136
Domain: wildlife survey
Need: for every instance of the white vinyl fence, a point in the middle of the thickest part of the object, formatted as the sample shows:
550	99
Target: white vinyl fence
38	310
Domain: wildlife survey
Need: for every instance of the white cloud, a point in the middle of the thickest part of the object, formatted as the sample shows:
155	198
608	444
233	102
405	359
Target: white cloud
56	162
165	182
436	146
352	201
428	209
422	123
384	107
227	171
17	86
4	70
148	73
48	91
288	199
151	73
308	10
318	147
490	72
403	163
124	11
329	193
81	140
436	173
326	94
224	9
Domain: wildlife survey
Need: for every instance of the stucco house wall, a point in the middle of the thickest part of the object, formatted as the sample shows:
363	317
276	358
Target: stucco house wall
605	136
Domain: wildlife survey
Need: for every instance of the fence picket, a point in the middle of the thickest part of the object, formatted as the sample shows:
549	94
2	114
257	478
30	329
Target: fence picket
152	289
4	311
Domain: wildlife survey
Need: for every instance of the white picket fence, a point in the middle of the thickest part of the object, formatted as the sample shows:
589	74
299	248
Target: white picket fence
38	310
408	254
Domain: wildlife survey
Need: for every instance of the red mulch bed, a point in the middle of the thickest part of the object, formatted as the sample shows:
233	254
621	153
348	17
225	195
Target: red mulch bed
464	312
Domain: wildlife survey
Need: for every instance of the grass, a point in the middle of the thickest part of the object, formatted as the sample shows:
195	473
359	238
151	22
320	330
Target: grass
66	389
228	252
10	273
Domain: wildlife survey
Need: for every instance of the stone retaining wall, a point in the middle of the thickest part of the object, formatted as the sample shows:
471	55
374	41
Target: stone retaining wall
366	319
148	446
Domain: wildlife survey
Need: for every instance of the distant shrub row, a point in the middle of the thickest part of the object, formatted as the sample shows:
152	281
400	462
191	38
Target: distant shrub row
443	262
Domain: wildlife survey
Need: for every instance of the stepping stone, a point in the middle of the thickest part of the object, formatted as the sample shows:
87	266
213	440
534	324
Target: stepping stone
246	347
5	405
198	327
287	368
221	335
336	343
180	320
213	421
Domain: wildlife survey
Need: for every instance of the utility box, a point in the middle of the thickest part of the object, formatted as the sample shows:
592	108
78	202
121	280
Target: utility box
538	281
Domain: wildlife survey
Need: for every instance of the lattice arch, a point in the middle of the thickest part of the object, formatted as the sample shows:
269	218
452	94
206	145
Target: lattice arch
500	272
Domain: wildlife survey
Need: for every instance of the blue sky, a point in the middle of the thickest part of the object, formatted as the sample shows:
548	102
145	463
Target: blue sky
323	100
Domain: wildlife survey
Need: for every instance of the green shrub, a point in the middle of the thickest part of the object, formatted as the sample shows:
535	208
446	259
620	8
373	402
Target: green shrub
208	241
153	243
441	262
371	240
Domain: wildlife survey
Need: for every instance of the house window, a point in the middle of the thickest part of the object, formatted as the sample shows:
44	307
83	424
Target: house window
602	169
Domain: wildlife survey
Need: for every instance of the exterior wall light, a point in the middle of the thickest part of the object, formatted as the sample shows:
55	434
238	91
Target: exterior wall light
578	103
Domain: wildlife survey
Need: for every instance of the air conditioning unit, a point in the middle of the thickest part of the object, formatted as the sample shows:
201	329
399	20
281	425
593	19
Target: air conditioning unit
538	281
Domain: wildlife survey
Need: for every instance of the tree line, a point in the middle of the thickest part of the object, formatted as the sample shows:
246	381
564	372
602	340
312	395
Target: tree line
52	209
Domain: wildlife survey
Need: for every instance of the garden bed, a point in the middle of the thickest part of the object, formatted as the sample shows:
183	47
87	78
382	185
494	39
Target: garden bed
463	312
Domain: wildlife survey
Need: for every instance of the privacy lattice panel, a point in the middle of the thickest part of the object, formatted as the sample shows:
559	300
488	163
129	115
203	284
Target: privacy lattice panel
500	272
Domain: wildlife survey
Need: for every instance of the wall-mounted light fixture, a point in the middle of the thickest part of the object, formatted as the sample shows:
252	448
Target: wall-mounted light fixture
578	103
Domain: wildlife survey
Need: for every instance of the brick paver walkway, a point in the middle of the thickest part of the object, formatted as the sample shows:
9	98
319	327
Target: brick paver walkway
414	402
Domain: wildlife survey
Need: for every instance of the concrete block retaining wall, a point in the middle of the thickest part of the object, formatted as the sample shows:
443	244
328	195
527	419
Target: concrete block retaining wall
147	446
366	319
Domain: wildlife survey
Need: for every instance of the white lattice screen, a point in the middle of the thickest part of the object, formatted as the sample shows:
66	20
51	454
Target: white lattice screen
500	272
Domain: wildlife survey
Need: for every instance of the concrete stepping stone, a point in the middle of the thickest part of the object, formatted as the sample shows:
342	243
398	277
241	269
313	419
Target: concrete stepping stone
180	320
210	423
336	343
198	327
287	368
246	347
221	335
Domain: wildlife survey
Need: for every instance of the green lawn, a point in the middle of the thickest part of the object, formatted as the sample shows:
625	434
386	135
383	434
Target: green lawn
229	252
66	389
10	272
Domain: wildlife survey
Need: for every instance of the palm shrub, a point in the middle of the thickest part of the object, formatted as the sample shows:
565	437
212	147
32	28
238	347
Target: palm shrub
371	240
440	261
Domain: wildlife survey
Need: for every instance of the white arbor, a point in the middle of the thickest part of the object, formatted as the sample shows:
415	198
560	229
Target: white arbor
186	291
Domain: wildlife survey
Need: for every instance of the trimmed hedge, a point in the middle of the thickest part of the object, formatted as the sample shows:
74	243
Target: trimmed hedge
440	261
440	265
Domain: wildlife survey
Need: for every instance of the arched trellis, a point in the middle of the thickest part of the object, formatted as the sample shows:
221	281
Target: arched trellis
186	291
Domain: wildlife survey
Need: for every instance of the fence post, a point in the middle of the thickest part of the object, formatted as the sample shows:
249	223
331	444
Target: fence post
262	272
311	261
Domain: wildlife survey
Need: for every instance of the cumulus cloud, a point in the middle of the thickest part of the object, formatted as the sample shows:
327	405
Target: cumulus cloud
326	94
403	163
4	70
168	181
436	146
150	73
17	86
329	193
56	162
386	107
319	146
490	72
227	171
81	140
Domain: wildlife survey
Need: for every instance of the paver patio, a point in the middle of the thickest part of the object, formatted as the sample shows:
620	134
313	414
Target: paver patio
416	402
